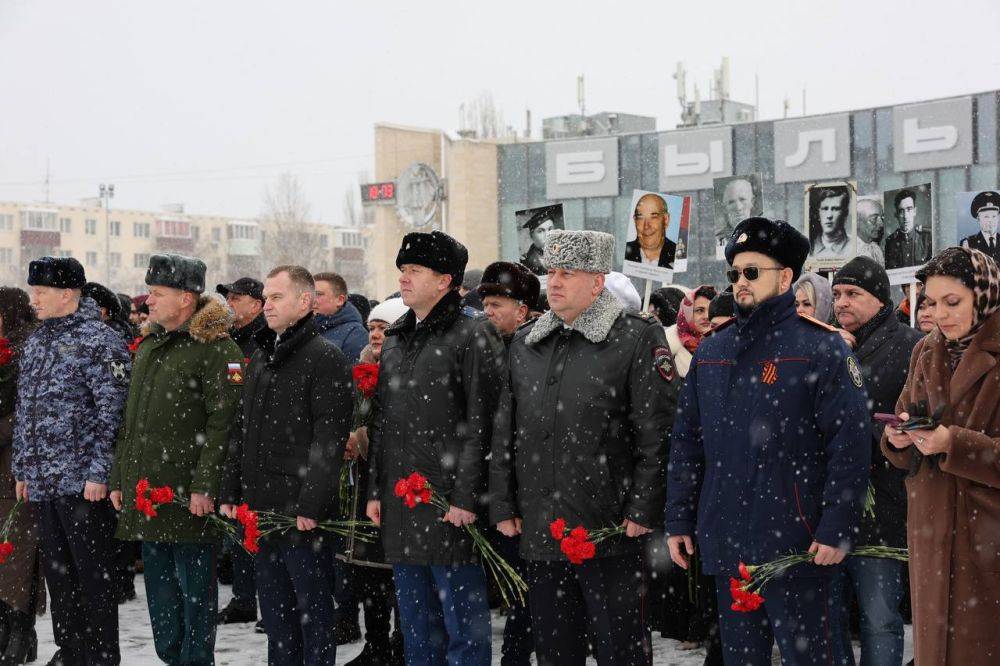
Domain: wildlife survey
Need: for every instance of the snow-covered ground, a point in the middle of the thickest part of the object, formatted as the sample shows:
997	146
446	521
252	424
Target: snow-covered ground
238	645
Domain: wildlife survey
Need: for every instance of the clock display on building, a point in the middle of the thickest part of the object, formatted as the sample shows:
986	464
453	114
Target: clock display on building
378	192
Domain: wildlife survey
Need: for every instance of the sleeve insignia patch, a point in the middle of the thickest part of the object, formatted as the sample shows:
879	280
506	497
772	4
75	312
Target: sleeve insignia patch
234	372
855	371
663	360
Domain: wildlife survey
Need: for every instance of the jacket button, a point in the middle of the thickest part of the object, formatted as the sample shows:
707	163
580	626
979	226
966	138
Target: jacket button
546	492
552	380
546	434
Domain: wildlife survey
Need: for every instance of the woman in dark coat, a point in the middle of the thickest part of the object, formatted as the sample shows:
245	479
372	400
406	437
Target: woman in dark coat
953	518
22	591
370	576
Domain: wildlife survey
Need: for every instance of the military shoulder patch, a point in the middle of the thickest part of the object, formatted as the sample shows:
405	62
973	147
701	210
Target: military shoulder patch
663	360
234	373
855	371
117	369
817	322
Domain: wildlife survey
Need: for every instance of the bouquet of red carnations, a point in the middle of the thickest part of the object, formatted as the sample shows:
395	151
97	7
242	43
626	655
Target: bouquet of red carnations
254	524
580	544
753	577
414	490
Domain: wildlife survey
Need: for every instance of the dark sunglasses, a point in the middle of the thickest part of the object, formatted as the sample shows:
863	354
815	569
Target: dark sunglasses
751	273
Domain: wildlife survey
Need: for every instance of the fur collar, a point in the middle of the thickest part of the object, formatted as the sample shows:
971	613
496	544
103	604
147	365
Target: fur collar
594	323
210	322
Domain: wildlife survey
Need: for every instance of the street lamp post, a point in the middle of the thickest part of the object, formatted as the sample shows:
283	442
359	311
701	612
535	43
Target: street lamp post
107	193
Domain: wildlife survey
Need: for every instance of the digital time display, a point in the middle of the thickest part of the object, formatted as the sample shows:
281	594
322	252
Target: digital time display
378	192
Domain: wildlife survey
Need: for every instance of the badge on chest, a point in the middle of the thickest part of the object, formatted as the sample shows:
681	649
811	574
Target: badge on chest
769	374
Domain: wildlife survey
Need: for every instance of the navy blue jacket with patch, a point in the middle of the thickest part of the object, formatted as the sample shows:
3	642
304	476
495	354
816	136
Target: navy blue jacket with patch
71	390
771	444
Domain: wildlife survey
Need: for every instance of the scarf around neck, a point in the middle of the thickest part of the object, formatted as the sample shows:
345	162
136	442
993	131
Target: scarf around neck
986	301
688	334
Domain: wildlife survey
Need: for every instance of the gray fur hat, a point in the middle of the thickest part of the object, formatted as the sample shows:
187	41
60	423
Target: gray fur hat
176	271
588	251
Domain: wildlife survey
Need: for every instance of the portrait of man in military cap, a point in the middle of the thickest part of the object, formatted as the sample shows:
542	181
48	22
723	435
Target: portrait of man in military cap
984	210
533	225
909	237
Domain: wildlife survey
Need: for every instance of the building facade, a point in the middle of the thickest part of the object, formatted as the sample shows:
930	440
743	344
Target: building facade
442	182
114	246
949	143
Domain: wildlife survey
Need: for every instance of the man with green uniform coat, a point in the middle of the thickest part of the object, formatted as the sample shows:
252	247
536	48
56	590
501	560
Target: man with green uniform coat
187	381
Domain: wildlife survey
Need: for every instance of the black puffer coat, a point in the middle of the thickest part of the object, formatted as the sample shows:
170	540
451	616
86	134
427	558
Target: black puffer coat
438	388
285	453
585	427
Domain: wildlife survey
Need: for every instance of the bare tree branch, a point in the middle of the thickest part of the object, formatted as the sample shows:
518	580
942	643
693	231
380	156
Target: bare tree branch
290	237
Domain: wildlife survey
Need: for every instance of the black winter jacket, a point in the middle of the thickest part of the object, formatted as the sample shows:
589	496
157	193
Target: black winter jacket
885	359
438	388
288	443
246	337
584	427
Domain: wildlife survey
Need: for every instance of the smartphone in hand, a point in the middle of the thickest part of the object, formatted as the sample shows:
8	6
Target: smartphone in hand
888	419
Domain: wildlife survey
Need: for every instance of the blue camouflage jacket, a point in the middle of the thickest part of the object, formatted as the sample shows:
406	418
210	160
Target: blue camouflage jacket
71	391
771	444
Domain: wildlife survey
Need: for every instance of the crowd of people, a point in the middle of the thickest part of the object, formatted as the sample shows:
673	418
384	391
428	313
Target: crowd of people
785	412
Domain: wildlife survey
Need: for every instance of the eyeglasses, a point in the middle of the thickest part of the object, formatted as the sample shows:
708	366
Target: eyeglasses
751	273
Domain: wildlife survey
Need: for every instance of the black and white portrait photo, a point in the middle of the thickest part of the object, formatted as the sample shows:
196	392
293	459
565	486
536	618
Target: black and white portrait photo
830	218
978	214
871	228
736	199
533	226
909	234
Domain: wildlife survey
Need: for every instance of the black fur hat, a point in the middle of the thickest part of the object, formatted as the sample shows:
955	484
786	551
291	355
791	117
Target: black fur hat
505	278
437	251
58	272
774	238
176	271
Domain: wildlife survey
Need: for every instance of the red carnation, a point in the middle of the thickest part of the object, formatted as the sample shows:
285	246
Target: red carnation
417	481
164	495
558	529
145	507
6	548
744	601
6	353
366	378
577	550
133	346
251	531
402	487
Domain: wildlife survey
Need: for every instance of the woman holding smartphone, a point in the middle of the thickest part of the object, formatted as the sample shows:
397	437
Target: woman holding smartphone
953	521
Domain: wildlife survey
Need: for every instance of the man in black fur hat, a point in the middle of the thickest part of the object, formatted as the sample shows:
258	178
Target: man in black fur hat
441	373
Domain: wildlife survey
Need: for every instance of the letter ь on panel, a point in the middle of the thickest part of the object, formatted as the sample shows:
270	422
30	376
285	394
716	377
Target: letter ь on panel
808	149
575	169
692	160
933	135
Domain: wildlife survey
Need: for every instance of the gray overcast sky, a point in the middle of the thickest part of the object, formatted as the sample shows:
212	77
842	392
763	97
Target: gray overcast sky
182	101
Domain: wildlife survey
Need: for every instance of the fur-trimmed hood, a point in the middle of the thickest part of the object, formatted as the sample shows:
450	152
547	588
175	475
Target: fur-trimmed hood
594	323
211	321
